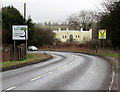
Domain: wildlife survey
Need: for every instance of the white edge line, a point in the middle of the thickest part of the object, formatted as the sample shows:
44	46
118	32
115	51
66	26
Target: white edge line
113	75
11	88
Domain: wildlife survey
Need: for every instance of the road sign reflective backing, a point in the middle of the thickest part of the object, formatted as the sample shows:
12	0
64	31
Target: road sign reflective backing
102	34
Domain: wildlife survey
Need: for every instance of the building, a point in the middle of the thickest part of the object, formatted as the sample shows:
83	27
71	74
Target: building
79	36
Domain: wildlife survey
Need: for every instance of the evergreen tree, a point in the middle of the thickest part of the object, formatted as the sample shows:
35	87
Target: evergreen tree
10	16
110	20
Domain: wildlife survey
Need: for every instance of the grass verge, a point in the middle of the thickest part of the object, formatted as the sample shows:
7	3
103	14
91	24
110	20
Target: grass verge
111	54
30	59
101	52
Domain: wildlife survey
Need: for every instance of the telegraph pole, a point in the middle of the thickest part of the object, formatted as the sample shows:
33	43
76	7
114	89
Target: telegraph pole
26	32
24	10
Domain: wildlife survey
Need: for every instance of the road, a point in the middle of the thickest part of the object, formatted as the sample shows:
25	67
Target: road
65	71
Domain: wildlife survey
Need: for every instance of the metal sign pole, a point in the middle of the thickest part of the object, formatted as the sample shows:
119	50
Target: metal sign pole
20	32
14	50
26	46
26	40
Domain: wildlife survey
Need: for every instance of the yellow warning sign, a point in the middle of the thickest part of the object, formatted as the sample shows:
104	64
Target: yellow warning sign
102	34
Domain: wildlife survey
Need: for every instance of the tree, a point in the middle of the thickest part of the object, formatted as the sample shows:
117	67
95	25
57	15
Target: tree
10	16
0	19
30	31
0	27
73	22
45	23
49	23
85	19
43	37
110	20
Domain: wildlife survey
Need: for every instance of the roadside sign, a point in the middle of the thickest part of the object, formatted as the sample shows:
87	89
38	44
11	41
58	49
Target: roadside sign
102	34
19	32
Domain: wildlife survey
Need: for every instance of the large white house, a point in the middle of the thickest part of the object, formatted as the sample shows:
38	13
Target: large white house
79	36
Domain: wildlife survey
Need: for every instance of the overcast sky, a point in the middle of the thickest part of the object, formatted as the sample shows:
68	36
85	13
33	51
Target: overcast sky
52	10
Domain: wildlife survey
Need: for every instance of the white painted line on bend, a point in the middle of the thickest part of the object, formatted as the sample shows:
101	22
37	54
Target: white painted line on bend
70	62
40	76
113	75
59	68
11	88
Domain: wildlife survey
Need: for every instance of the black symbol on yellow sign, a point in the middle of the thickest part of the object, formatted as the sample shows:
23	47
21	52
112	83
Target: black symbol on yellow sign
102	34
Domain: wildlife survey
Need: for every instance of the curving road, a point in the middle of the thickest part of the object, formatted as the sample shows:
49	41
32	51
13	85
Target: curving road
66	71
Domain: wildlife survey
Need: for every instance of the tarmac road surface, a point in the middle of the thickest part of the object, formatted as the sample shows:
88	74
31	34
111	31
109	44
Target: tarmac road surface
65	71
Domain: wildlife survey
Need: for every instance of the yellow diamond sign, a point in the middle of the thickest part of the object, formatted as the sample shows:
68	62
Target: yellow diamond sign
102	34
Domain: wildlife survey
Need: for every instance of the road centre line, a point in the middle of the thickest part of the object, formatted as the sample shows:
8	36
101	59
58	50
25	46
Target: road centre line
41	76
11	88
59	68
45	74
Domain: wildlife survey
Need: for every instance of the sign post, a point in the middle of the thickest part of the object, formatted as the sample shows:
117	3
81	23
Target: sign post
102	37
14	50
19	32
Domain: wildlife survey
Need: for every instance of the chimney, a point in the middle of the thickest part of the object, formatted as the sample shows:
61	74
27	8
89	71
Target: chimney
81	29
67	29
90	33
59	29
90	29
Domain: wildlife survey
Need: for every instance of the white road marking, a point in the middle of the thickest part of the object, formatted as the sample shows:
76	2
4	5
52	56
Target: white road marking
11	88
113	75
70	62
75	57
62	67
40	76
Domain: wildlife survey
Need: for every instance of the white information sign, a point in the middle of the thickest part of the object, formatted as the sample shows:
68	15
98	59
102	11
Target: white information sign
19	32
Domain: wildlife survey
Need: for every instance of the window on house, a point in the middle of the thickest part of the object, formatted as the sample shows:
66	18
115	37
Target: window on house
65	36
78	36
62	36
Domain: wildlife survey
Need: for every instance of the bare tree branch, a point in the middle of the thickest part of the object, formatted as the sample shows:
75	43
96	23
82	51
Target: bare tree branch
85	19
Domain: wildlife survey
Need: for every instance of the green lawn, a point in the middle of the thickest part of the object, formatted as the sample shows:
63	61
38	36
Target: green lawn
112	54
30	58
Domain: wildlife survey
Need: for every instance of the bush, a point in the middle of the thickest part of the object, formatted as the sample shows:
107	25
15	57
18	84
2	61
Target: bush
89	44
43	37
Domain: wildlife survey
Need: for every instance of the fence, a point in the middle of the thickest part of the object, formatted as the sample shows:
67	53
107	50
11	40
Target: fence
8	52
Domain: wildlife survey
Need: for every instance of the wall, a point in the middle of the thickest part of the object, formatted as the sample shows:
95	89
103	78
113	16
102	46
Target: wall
78	35
8	53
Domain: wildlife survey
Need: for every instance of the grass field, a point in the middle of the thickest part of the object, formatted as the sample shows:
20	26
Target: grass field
30	58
